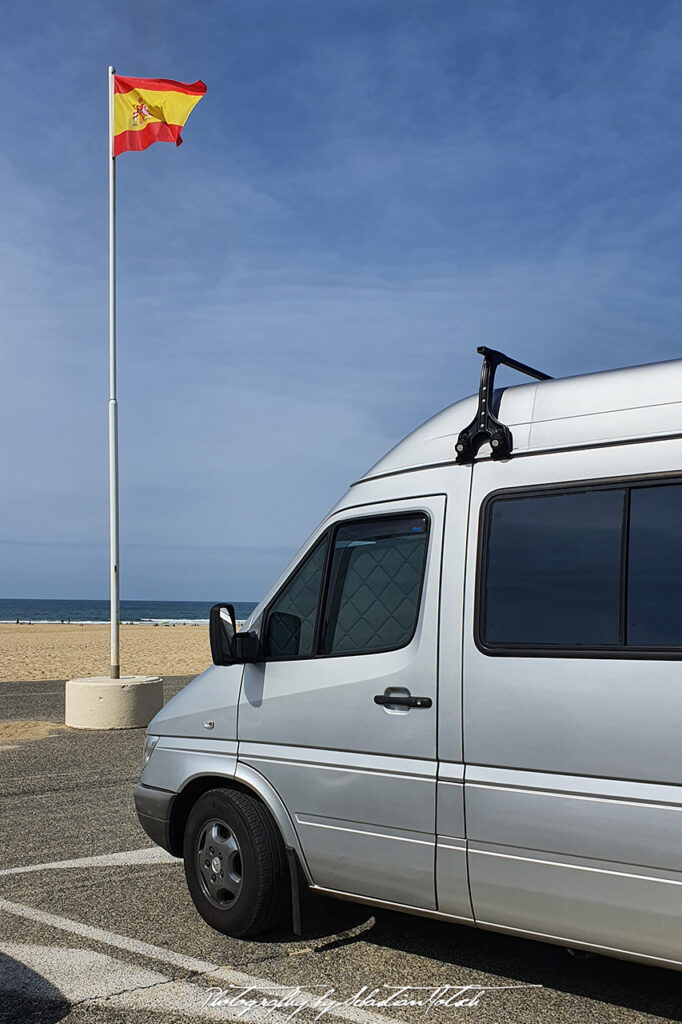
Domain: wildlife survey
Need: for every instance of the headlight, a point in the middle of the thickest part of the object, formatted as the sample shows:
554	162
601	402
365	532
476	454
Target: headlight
149	744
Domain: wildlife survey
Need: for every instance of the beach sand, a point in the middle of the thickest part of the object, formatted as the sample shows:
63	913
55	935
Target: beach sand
55	651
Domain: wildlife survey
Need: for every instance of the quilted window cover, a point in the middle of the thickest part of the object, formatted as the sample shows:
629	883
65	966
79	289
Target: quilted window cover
291	622
374	602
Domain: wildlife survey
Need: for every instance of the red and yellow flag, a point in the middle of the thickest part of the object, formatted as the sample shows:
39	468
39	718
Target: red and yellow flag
148	110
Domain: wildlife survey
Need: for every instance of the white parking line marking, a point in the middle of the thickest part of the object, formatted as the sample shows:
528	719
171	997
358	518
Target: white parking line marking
147	855
77	974
83	976
87	931
227	977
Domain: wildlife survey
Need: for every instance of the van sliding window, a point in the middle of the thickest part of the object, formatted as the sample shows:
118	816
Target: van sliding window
654	603
553	570
583	570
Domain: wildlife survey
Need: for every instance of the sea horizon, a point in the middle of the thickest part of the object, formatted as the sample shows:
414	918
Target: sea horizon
92	611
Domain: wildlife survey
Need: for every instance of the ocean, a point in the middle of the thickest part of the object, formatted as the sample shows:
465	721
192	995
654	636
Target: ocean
149	612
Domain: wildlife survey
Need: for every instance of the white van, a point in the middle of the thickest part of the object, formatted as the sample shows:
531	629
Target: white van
463	699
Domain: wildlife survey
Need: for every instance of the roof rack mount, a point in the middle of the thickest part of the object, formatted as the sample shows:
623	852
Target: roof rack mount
485	428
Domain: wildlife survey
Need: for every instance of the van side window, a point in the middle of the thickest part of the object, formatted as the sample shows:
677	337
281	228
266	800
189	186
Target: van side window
580	570
375	582
290	626
553	570
654	604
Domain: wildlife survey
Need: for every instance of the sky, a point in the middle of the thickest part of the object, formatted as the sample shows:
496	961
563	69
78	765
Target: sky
368	191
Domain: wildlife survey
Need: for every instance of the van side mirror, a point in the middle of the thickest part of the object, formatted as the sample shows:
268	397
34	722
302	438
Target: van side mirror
228	647
246	647
222	629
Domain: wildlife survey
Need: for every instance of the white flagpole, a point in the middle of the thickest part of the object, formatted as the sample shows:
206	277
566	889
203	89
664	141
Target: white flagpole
113	407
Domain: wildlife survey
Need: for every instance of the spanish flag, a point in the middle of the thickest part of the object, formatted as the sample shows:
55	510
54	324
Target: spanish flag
148	110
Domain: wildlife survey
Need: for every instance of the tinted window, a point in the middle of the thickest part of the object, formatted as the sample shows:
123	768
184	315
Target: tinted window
375	584
290	629
655	567
553	570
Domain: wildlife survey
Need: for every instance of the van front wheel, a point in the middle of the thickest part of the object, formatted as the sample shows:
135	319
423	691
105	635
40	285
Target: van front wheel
235	863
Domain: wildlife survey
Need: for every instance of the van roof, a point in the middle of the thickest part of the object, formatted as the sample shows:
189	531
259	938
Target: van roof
589	409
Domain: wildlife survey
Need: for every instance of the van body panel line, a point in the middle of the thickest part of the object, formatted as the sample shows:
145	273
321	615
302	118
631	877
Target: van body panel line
436	915
173	768
350	761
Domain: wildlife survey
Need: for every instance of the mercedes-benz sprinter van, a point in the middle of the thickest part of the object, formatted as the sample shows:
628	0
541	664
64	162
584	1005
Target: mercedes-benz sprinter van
463	699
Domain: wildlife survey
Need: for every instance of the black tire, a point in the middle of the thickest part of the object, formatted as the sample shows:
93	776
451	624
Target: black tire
253	896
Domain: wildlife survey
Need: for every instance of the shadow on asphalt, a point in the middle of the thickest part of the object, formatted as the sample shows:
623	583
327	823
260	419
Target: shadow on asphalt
651	990
322	918
27	996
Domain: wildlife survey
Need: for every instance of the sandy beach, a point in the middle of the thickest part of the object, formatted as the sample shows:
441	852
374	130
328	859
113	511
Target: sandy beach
55	651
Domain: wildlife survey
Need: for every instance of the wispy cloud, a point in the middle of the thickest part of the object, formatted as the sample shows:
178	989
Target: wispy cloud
368	191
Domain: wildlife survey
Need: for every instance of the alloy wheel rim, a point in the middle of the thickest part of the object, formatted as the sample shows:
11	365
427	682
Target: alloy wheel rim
218	861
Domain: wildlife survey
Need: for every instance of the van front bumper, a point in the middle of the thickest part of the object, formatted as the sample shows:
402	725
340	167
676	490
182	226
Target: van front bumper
153	808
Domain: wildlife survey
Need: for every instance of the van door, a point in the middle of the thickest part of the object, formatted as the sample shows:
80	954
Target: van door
572	697
341	715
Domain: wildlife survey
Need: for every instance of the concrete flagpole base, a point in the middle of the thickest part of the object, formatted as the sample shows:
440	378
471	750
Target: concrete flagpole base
99	702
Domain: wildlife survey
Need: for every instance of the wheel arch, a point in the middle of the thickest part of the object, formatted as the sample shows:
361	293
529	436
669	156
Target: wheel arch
247	780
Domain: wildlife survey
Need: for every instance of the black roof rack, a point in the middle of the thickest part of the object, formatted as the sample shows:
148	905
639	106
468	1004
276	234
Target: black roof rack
485	427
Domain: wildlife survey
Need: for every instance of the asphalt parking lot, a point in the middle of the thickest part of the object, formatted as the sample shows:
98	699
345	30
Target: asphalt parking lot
96	924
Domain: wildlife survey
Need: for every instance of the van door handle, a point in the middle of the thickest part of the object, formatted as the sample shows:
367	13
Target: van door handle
405	702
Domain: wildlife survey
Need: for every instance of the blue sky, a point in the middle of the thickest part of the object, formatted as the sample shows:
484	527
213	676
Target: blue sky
368	191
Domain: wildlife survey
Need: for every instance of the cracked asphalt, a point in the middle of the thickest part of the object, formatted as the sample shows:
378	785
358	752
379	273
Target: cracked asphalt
113	935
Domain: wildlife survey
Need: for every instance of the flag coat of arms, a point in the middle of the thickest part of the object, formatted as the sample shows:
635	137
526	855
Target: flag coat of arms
148	110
